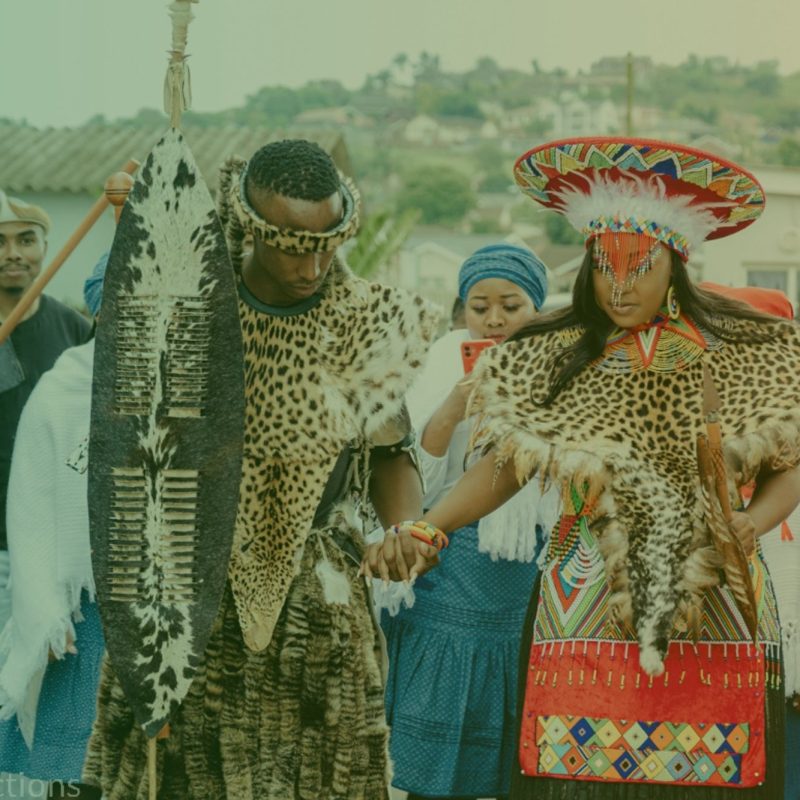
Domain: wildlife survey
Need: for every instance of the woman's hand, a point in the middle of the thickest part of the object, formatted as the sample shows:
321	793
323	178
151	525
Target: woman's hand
69	647
439	431
456	402
399	557
744	529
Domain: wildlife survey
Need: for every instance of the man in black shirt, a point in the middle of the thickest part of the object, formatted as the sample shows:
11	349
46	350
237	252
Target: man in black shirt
47	329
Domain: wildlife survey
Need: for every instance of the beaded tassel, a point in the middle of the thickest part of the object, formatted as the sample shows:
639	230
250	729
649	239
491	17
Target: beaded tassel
623	258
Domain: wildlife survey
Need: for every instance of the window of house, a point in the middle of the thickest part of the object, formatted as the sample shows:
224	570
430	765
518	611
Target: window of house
769	279
786	280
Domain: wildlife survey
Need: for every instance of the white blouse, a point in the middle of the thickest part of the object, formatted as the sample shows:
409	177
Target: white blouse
510	531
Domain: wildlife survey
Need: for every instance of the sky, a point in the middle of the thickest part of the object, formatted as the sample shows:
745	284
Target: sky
63	61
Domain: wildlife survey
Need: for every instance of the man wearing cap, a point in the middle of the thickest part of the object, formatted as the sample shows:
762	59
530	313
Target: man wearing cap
46	330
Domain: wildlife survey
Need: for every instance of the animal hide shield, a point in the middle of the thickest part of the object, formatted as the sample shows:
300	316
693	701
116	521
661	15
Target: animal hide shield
165	448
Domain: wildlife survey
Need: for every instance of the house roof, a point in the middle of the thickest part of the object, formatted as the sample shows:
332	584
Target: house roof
80	159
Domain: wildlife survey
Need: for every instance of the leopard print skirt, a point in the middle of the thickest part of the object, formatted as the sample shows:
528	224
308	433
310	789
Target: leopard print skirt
302	719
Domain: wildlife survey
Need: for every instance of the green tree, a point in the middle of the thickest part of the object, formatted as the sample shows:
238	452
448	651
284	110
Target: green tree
379	81
400	61
381	235
789	152
427	67
274	105
457	104
699	109
441	194
440	102
490	158
323	94
539	128
764	78
559	231
785	116
497	180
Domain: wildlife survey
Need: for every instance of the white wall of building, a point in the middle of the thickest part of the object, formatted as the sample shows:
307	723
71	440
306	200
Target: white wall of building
432	271
768	252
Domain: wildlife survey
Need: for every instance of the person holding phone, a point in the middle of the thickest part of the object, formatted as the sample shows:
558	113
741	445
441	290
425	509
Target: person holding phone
452	655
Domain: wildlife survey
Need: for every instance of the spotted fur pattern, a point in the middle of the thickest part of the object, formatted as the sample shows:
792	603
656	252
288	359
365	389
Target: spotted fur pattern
628	440
314	382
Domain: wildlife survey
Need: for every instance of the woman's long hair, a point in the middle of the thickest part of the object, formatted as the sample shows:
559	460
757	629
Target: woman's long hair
706	309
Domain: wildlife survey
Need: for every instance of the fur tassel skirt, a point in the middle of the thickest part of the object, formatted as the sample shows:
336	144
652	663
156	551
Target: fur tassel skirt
300	720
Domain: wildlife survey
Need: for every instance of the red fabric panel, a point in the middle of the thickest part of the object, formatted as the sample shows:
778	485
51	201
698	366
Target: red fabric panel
770	301
715	683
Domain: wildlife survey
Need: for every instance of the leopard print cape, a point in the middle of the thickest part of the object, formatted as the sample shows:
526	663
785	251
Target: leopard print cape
626	440
314	382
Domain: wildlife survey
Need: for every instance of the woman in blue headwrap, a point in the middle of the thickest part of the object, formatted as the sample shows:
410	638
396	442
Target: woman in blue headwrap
451	690
52	646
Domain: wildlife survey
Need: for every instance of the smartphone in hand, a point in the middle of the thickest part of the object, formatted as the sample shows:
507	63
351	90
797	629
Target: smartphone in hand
470	350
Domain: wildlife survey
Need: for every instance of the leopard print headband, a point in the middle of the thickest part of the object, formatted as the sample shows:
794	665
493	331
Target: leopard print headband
290	240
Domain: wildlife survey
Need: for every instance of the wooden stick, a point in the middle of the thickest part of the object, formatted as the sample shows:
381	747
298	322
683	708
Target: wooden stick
116	190
152	773
36	288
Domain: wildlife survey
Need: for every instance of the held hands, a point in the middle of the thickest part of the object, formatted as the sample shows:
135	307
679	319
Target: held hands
744	529
407	550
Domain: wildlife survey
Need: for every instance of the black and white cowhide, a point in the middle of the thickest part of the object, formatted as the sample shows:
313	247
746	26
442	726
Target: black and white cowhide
166	439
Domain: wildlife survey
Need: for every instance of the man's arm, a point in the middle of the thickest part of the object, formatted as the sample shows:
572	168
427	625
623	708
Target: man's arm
395	488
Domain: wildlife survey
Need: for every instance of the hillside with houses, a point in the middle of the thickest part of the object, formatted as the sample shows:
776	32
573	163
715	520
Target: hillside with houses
433	150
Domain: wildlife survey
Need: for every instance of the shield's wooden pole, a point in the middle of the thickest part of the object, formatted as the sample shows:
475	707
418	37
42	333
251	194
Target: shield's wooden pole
36	288
152	772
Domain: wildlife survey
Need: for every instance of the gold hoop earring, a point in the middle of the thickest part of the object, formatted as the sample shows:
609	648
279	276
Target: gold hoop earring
673	306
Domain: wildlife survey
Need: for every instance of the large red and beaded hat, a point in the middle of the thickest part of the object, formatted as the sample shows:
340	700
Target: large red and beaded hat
674	194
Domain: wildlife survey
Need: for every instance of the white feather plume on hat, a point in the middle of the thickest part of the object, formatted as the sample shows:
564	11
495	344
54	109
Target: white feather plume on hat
643	198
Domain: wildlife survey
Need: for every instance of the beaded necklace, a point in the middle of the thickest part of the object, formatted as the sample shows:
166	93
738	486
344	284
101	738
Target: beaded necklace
661	345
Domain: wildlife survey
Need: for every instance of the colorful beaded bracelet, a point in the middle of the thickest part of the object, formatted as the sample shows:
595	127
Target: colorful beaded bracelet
424	532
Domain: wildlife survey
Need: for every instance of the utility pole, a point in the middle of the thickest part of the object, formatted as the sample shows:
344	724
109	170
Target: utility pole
629	97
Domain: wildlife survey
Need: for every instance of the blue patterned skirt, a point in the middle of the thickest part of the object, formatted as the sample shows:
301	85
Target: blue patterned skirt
451	690
66	710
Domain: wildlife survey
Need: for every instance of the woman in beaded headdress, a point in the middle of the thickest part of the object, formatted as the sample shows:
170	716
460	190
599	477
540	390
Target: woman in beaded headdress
650	660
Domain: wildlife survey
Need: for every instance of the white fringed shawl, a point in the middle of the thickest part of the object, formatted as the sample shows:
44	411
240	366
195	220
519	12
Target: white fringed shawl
510	531
507	533
48	532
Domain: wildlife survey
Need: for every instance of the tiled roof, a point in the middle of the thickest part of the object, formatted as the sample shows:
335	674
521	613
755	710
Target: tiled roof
80	159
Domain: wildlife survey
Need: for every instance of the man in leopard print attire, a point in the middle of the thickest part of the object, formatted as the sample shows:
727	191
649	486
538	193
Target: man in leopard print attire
289	701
